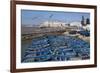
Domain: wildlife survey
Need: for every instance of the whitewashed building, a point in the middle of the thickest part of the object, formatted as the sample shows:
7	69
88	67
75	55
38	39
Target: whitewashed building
53	24
76	24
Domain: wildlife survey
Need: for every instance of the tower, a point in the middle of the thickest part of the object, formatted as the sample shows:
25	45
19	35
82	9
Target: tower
83	21
87	21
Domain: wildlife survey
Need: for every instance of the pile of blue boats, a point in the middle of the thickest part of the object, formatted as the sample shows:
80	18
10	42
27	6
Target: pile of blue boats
56	48
85	33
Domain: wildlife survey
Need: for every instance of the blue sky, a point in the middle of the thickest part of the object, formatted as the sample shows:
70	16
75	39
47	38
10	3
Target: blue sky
36	17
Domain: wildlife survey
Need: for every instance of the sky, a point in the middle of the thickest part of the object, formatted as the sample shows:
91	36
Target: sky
36	17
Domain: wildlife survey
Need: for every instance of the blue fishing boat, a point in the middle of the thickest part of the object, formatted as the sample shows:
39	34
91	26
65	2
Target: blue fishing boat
56	48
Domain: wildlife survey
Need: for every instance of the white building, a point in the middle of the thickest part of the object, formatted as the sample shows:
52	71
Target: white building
80	26
76	24
53	24
87	27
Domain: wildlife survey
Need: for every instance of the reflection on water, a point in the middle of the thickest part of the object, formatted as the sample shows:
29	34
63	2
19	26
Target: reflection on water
54	48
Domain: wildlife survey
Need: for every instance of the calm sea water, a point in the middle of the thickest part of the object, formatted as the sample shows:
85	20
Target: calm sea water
24	45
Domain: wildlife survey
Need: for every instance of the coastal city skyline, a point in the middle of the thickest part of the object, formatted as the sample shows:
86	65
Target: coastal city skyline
36	17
